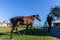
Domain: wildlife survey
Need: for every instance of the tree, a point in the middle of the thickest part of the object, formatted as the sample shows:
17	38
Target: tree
55	11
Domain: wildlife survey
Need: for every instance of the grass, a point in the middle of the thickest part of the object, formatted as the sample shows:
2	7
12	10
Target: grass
38	34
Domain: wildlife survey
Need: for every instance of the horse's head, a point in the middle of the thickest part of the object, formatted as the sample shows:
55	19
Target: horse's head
37	17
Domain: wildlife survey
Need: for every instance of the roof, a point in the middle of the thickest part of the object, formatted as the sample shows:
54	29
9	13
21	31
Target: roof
57	21
4	22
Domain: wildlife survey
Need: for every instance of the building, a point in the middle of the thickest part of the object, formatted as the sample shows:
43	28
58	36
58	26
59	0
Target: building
56	23
5	24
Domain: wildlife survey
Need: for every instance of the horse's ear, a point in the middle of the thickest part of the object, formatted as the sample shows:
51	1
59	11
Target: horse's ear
37	15
33	15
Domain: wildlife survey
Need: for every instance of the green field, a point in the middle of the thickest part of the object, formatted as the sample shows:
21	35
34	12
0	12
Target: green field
38	34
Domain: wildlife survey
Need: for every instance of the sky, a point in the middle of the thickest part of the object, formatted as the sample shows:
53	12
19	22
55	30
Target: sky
12	8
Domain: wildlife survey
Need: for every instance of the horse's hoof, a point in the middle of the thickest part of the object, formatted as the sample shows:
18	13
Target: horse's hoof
11	37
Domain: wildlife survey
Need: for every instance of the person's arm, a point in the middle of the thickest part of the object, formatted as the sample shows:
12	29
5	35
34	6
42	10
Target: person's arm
53	19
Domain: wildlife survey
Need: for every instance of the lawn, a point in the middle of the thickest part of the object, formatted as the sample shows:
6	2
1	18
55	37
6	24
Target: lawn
37	35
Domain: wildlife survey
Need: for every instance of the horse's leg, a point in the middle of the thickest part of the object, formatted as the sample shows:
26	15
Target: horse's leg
12	30
26	29
17	30
32	29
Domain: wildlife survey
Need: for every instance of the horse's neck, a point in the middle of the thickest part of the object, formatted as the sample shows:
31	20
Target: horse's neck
33	18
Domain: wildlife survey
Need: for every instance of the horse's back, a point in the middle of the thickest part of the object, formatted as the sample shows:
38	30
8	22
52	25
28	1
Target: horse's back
22	19
15	19
28	20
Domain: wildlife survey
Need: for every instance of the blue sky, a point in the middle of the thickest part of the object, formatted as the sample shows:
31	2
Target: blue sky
12	8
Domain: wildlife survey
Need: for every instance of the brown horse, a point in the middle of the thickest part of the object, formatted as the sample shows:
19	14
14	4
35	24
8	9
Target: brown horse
23	20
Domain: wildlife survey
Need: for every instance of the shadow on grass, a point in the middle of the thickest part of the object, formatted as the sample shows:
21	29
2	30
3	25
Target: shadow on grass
3	34
35	32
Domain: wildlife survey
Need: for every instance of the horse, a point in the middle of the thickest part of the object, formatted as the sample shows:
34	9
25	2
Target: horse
23	20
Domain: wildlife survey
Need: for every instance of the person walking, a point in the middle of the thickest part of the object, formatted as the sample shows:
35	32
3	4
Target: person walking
49	21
